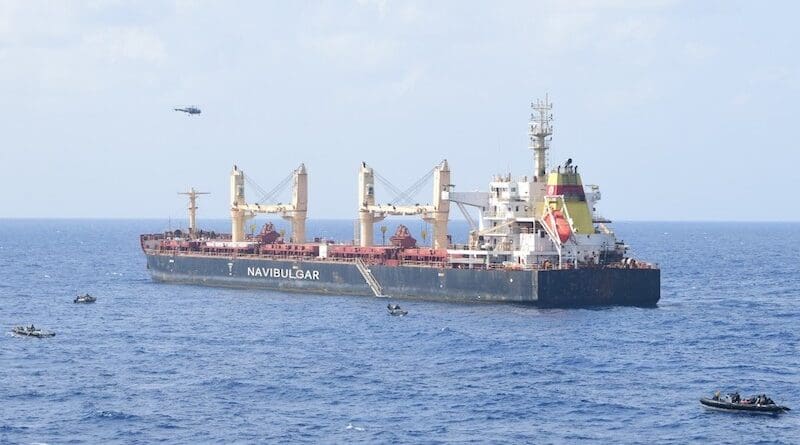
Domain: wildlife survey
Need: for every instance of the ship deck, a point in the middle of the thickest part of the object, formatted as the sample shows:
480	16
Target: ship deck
391	256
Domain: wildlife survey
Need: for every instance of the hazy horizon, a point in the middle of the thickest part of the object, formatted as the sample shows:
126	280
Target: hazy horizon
276	219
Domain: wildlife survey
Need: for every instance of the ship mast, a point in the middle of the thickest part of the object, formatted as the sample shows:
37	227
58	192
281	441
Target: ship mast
192	193
540	130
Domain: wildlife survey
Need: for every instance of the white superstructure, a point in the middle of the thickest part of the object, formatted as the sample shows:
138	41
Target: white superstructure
544	220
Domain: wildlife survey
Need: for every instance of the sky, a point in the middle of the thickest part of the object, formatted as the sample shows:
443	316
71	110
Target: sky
678	110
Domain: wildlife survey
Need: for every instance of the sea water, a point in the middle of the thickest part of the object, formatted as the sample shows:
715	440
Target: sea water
152	362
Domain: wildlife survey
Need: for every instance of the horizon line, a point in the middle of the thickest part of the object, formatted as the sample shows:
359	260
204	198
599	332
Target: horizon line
150	218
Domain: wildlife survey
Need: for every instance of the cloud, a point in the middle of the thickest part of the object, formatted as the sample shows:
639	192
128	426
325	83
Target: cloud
380	5
115	44
761	81
75	47
634	94
699	51
351	50
606	24
408	81
34	24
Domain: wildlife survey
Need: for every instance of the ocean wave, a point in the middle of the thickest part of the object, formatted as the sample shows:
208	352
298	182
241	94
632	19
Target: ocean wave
189	364
113	415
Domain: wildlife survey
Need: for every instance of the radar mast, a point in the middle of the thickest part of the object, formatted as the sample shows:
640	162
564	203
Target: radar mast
540	130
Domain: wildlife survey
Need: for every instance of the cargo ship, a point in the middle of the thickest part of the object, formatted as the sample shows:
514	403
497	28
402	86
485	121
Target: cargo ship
536	240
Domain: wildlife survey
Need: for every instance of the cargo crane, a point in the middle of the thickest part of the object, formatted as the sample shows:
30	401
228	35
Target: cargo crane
437	214
535	239
295	212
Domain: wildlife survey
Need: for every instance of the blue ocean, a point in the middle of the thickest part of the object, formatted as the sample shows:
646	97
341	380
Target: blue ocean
152	363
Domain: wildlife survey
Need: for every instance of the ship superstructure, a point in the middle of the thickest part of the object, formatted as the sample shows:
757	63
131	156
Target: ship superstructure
536	239
547	219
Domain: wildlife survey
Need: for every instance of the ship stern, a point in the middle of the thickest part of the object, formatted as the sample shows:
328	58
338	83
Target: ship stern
598	287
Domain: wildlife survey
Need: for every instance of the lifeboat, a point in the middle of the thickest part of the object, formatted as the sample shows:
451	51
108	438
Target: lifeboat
556	221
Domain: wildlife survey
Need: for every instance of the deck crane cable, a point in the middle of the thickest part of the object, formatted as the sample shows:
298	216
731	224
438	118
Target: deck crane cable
405	196
283	185
267	196
388	185
412	191
254	185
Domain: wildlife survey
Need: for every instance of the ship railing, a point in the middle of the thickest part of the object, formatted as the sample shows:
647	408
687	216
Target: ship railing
444	264
431	264
287	257
500	266
491	214
494	266
634	265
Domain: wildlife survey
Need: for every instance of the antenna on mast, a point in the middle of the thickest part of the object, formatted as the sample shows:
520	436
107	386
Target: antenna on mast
192	193
540	130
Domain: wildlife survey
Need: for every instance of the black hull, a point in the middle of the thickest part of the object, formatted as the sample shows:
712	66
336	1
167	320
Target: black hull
750	408
548	288
35	335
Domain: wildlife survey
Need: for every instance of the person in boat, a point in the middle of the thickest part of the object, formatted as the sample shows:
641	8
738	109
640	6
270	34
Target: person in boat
736	398
716	396
764	400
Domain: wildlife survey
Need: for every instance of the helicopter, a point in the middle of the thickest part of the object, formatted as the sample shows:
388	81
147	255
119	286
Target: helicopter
189	110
